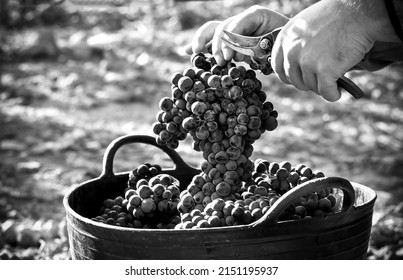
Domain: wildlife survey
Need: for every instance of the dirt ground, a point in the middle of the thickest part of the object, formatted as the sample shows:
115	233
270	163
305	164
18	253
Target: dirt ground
61	107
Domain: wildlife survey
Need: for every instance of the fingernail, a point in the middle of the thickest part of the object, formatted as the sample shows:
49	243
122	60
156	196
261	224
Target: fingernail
196	49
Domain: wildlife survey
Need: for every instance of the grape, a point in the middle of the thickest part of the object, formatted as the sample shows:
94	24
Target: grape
205	76
306	172
221	157
176	93
199	108
189	72
202	132
167	194
190	96
325	204
234	73
201	96
240	129
299	167
158	189
175	78
226	81
248	85
209	115
282	174
254	123
216	69
235	92
242	119
166	104
167	116
223	189
198	86
212	126
286	165
238	212
185	84
214	81
189	123
293	178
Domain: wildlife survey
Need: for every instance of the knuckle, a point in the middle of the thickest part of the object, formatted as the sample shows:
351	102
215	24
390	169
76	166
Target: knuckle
307	64
323	69
276	62
255	8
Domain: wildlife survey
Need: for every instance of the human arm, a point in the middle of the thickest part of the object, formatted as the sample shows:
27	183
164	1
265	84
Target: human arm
317	46
324	41
394	9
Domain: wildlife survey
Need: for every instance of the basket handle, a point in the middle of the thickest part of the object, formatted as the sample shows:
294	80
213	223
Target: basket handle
271	216
181	169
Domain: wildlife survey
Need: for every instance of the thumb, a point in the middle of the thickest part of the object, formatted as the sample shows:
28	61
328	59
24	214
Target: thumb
203	35
188	49
328	89
255	21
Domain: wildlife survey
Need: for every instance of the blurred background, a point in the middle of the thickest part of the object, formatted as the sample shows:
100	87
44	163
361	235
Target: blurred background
75	75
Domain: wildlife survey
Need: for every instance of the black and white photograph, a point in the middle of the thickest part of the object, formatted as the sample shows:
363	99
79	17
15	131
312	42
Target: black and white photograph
186	130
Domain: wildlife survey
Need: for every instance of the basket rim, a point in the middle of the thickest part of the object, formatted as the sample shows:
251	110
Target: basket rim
69	211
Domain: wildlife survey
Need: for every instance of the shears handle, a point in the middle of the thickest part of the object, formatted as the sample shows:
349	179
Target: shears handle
350	87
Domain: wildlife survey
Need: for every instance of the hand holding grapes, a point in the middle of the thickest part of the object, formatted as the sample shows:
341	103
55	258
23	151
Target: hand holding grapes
254	21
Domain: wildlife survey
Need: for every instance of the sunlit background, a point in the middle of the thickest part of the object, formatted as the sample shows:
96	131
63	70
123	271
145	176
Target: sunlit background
77	74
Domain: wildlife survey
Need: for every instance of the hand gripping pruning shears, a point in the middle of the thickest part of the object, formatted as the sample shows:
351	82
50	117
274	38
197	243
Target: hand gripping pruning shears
259	50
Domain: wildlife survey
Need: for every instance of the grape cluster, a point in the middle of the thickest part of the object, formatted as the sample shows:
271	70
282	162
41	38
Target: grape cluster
255	197
220	212
224	110
149	201
281	177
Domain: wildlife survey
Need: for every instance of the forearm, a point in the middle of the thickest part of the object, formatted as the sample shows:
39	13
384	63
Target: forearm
395	12
374	16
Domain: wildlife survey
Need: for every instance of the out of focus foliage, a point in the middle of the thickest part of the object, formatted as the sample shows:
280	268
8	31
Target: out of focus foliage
74	77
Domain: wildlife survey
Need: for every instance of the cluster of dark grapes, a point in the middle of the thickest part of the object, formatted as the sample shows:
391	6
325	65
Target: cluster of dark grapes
149	201
225	111
269	182
281	177
153	199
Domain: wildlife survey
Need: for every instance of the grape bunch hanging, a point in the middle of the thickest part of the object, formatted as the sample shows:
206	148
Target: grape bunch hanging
225	111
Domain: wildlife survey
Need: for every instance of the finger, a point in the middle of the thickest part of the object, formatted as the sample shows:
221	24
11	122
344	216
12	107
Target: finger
327	87
243	24
188	49
310	79
294	75
246	23
218	45
256	21
277	63
203	35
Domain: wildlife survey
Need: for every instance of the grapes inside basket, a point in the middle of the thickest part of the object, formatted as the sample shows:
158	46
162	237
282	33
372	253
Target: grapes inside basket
225	111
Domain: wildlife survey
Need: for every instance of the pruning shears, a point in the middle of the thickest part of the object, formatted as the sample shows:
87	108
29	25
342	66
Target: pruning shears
259	50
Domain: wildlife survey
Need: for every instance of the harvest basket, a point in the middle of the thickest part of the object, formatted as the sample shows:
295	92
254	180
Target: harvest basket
343	235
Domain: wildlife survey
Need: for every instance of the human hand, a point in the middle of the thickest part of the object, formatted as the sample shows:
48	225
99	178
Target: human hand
254	21
324	41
